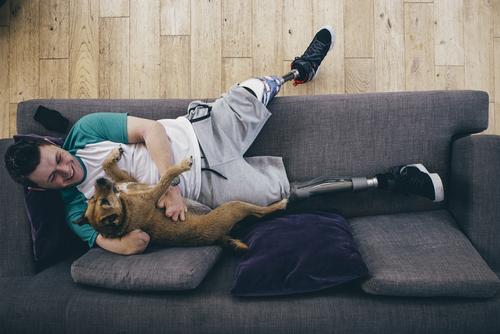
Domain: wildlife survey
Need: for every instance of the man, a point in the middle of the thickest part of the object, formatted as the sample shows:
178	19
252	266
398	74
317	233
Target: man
215	134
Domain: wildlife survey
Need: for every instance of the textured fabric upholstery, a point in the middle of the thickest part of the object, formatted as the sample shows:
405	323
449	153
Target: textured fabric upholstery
15	247
474	196
51	303
337	135
176	268
421	254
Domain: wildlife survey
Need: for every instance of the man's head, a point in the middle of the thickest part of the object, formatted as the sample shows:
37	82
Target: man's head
40	163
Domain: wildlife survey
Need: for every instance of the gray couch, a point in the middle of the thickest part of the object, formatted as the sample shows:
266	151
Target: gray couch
349	135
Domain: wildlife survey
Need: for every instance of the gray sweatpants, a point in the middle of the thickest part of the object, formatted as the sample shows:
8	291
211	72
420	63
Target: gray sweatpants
225	129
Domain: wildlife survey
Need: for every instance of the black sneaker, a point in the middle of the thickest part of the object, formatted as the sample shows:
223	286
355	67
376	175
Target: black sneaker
416	179
308	64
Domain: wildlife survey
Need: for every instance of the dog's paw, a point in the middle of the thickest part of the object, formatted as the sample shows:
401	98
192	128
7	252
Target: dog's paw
239	246
116	154
187	163
283	203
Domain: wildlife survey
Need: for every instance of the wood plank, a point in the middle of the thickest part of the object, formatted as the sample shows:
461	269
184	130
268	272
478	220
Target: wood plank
235	70
12	119
54	29
175	17
496	73
450	77
5	14
389	45
54	78
175	72
4	82
449	32
206	62
496	105
297	33
478	45
24	52
267	37
236	28
84	49
419	46
359	34
289	90
114	8
360	75
144	49
114	62
330	78
496	18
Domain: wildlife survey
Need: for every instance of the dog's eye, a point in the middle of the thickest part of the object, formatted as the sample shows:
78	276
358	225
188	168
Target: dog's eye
104	201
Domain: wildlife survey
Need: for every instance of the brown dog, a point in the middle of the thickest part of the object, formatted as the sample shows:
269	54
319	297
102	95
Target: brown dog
124	205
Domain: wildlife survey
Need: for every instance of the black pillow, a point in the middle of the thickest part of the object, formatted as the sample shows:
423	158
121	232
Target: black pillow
51	237
297	253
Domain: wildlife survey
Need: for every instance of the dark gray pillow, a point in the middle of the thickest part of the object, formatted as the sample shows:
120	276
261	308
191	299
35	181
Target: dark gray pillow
179	268
421	254
159	268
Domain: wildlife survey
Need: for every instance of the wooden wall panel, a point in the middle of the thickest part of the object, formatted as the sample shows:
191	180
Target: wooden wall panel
235	70
206	62
54	78
449	32
54	29
267	37
144	49
450	77
24	50
4	82
297	27
175	73
389	45
236	28
84	49
359	34
114	8
114	76
175	17
419	46
360	75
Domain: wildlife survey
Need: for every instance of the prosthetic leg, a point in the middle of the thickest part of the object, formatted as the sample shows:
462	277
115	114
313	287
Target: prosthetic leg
322	185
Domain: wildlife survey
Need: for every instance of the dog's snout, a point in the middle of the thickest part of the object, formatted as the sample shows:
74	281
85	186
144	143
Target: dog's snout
103	182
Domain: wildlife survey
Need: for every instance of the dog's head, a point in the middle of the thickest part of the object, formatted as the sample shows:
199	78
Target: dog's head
105	211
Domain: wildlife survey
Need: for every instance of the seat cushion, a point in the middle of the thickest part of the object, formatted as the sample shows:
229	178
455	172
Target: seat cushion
421	254
159	268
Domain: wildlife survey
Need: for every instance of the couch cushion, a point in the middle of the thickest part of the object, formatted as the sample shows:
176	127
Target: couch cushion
421	254
159	268
297	253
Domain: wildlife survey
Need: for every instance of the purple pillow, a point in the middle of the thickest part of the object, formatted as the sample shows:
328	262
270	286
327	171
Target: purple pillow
46	214
297	253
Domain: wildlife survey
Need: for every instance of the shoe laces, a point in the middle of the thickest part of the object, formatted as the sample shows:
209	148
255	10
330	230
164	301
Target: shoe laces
314	52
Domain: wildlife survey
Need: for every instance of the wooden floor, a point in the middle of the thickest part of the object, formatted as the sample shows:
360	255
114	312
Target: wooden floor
179	48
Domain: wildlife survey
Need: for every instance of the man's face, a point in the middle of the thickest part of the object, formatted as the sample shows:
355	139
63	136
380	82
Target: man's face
57	169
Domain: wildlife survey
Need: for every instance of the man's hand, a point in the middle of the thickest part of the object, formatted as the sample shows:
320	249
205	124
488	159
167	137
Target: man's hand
174	204
134	242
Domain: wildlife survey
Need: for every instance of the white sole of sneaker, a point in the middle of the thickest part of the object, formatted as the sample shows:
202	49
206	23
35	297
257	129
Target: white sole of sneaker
436	182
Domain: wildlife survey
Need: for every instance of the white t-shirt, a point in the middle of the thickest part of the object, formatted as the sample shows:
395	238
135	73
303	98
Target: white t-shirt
138	163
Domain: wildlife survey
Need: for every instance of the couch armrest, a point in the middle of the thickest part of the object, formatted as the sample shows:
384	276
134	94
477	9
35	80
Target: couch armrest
16	257
474	193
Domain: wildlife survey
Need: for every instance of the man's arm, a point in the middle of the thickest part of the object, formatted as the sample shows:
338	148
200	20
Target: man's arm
134	242
152	133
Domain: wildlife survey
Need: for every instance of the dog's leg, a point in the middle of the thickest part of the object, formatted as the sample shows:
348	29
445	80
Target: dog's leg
111	168
236	244
220	220
165	181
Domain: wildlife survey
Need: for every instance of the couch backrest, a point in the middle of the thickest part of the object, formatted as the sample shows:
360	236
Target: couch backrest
337	135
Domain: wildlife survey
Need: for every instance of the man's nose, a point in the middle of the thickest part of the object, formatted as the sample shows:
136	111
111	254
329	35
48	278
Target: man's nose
63	169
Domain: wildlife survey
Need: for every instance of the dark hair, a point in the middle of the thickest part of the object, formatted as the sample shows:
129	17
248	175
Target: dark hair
22	158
